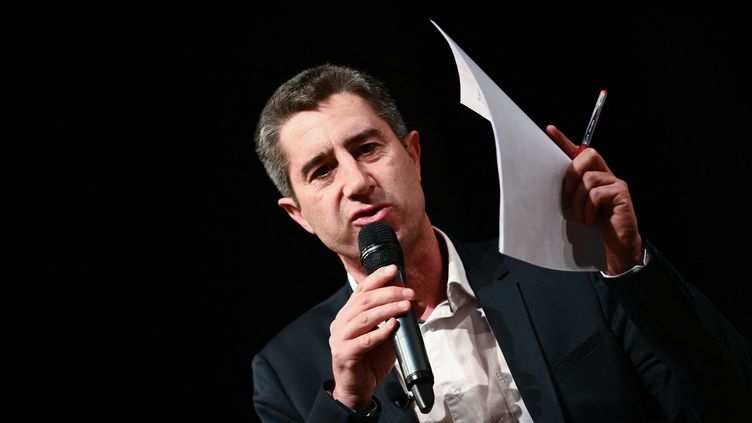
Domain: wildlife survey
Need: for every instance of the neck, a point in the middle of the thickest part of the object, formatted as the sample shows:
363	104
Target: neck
425	269
426	272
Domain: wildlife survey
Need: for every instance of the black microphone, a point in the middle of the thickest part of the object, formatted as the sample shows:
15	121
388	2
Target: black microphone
379	247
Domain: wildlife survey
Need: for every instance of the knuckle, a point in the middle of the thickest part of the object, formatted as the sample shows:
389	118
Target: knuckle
364	302
332	344
333	326
366	341
336	356
589	178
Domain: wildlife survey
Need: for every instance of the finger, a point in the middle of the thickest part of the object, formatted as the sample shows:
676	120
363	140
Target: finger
567	146
588	160
359	306
371	293
349	350
572	179
378	278
378	336
369	319
598	198
583	208
613	196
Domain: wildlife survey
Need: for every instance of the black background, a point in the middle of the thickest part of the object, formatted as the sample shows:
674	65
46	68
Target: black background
192	267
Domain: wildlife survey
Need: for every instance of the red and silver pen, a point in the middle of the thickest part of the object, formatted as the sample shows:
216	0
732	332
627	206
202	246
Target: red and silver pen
593	120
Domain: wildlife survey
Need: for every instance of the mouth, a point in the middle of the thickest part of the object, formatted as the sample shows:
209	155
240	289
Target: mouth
369	215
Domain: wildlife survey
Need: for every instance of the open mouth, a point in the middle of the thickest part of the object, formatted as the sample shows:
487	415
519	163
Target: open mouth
368	213
365	217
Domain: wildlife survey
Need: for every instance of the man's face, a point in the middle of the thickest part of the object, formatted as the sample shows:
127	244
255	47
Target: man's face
348	169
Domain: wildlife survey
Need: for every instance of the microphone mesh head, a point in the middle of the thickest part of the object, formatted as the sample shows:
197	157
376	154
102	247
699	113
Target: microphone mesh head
379	247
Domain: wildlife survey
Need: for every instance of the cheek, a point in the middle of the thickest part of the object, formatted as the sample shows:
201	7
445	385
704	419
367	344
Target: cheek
409	176
320	209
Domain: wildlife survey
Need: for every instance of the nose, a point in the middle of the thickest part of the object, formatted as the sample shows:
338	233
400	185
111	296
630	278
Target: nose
356	180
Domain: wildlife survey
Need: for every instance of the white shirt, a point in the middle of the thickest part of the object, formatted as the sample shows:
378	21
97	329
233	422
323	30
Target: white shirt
472	381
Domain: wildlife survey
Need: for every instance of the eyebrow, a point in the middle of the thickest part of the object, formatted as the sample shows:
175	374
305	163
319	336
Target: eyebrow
349	142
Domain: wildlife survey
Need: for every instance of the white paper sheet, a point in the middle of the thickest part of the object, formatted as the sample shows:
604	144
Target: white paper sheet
534	225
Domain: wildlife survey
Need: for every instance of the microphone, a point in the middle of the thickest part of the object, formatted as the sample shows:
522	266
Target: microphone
379	247
397	395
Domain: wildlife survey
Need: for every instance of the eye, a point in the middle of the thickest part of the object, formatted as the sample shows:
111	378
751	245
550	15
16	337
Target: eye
366	149
321	172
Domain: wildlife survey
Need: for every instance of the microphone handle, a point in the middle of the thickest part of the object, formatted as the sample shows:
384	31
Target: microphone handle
412	357
410	352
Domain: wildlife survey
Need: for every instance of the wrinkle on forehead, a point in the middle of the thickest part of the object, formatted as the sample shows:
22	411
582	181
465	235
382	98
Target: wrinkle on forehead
312	133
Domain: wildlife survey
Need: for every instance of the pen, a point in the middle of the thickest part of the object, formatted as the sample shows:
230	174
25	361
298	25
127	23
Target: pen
593	120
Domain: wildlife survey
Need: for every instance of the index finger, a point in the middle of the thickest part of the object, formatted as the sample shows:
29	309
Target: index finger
382	276
567	146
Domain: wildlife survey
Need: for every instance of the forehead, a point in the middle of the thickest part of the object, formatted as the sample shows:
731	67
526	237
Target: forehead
339	117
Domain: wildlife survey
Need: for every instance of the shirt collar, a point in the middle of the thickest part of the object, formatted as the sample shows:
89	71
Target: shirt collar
459	291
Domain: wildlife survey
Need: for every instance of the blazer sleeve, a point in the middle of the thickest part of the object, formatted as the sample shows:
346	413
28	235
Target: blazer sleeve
273	405
707	358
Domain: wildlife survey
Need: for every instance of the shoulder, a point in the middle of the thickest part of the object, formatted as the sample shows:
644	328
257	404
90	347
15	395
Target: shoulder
470	251
485	254
310	328
288	371
482	260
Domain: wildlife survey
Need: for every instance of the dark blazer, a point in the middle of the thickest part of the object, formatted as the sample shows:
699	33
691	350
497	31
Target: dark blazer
581	348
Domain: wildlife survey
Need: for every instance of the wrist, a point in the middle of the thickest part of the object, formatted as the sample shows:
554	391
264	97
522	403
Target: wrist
629	255
644	260
356	403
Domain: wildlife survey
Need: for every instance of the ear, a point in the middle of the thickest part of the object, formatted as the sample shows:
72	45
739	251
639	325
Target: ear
412	144
294	212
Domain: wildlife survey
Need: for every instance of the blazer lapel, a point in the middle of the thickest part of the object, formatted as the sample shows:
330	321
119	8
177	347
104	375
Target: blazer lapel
500	295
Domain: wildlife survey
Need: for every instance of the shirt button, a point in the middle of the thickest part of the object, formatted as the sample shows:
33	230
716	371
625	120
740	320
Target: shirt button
455	389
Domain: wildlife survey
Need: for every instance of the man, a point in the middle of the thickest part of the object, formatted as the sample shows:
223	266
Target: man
507	341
